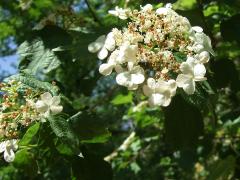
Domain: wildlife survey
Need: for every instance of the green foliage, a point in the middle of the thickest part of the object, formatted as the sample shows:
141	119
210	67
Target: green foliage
89	128
30	81
38	57
222	169
30	135
122	99
184	126
230	28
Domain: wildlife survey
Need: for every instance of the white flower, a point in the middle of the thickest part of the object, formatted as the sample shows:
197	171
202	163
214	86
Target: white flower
127	53
103	44
149	36
202	41
110	42
106	68
97	45
132	38
48	104
165	10
202	58
191	72
147	24
131	78
147	7
8	147
120	12
160	92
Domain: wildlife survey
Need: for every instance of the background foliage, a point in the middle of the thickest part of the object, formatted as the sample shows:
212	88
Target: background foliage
196	137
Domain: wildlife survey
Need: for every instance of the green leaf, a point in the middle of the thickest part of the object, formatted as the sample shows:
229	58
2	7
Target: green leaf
220	78
222	169
201	97
29	135
40	53
29	80
89	128
37	57
122	99
183	124
233	126
65	149
62	129
135	167
180	57
90	168
25	160
230	28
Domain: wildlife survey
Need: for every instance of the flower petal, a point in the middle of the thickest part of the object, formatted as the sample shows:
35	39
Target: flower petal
106	69
183	79
119	69
110	42
113	57
15	144
97	45
133	87
2	146
46	98
9	155
156	100
197	29
137	78
41	107
56	100
162	11
189	88
123	78
151	83
167	101
161	86
94	47
147	7
103	53
186	68
56	109
147	91
203	57
199	72
172	86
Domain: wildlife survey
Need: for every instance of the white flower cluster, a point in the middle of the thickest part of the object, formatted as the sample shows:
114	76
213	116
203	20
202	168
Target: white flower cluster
33	110
145	54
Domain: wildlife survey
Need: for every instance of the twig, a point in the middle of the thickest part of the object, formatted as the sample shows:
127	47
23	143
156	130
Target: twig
93	13
126	3
123	147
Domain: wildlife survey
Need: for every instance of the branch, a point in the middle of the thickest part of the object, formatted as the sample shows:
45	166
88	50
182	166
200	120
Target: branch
123	147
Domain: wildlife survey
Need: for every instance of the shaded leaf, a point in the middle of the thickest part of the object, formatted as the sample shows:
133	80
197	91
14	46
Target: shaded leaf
89	128
222	169
183	123
230	28
90	168
62	129
29	135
